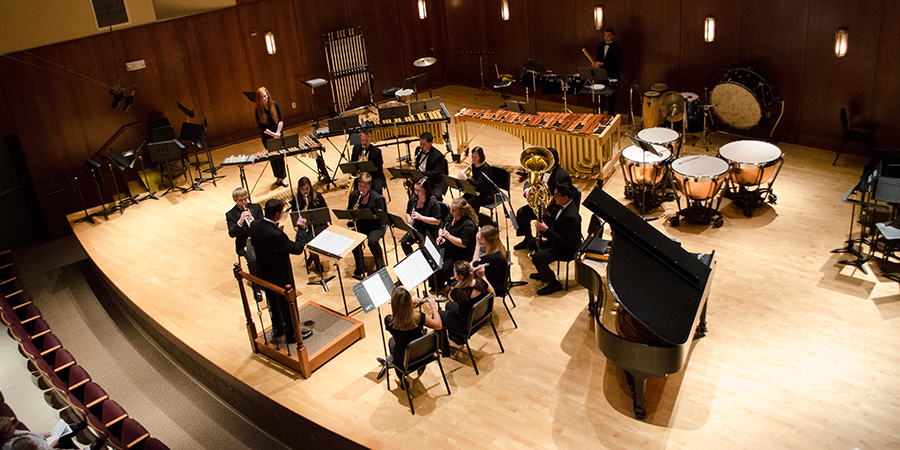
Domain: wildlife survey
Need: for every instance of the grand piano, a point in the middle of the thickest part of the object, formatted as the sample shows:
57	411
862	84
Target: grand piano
659	292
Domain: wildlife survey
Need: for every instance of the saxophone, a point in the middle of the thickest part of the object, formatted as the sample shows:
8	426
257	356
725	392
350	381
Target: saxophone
362	158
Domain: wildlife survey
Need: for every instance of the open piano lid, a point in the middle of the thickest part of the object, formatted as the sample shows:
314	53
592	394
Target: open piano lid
658	282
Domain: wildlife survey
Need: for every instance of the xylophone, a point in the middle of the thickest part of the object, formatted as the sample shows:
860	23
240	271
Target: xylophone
412	125
585	142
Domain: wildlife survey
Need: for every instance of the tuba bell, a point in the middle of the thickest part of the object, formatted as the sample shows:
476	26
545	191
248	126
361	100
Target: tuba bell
537	161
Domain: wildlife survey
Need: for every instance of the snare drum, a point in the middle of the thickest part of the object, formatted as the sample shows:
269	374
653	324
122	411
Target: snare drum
652	101
741	98
699	177
752	162
664	137
642	167
404	95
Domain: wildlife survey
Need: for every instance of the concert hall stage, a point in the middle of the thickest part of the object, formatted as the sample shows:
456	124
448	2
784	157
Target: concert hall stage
801	352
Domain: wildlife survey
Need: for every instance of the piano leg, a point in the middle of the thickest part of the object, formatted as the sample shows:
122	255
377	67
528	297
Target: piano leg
701	327
638	383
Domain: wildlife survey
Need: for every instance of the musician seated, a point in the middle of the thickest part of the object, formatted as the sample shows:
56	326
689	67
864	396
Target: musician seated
456	239
423	213
525	215
492	264
432	163
560	236
362	198
309	198
481	173
238	220
366	151
468	289
406	324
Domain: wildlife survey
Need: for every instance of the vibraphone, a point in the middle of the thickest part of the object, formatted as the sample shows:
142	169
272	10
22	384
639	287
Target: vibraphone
412	125
585	142
306	145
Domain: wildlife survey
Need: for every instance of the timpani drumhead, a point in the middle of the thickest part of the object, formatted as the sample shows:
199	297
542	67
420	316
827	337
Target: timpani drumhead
749	152
636	154
700	166
404	93
598	87
658	135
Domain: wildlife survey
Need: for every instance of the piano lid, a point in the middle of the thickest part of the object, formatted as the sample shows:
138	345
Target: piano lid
660	284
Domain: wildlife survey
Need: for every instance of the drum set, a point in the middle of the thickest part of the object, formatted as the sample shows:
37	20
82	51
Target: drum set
743	171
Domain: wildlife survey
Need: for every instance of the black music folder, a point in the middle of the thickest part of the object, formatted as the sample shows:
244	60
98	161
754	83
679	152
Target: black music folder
374	290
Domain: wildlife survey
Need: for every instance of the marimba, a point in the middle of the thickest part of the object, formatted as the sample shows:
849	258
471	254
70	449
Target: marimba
587	143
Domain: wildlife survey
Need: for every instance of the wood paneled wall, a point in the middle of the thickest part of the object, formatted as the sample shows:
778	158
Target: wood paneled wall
56	98
789	42
206	61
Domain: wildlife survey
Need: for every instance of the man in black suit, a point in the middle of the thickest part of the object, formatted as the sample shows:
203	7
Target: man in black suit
555	177
362	198
431	162
238	220
365	150
562	231
608	55
273	252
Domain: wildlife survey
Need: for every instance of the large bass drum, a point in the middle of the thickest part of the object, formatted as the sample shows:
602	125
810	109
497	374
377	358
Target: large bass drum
741	98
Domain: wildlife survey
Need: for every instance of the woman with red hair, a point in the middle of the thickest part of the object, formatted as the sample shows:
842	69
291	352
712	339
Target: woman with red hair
269	120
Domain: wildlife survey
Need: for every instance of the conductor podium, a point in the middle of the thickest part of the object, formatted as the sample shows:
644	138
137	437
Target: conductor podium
332	331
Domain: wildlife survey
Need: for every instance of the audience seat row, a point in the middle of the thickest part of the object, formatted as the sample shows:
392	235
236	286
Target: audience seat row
58	366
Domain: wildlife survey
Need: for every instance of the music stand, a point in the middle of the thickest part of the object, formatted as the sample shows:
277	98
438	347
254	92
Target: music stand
523	108
464	186
250	96
72	177
343	125
371	293
163	153
196	134
336	242
409	174
94	167
116	159
534	68
315	217
394	221
594	75
137	156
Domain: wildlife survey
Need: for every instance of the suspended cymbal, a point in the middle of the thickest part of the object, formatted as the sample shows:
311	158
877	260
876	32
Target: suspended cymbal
425	62
672	106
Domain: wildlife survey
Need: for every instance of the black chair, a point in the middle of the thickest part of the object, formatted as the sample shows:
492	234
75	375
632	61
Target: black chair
504	291
864	137
484	220
419	353
500	177
482	312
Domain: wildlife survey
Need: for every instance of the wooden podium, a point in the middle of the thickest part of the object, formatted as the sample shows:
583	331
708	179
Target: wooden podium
332	332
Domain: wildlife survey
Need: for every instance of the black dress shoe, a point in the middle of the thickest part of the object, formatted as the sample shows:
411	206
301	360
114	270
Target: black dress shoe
554	286
306	334
521	245
278	333
258	296
359	276
535	276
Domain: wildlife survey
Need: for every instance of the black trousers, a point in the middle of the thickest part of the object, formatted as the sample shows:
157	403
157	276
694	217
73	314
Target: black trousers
542	260
612	102
374	239
278	169
281	314
524	216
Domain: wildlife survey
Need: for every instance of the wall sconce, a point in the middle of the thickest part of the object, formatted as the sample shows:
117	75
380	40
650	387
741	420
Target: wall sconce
504	9
598	18
709	29
840	42
270	43
423	13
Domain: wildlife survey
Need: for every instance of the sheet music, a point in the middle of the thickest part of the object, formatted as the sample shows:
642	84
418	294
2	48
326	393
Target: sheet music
433	251
377	291
61	428
413	270
331	242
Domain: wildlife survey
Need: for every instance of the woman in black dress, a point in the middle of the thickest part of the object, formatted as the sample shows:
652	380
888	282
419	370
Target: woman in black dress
423	213
469	288
457	238
406	324
270	123
309	198
492	264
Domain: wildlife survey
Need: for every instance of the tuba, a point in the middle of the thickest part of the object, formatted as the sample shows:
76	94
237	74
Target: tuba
537	161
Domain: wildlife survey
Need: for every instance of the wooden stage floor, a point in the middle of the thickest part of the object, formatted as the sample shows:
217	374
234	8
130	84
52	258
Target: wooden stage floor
802	352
